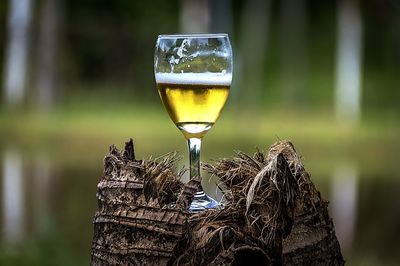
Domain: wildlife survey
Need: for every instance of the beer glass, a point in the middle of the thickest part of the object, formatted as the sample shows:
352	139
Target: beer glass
193	74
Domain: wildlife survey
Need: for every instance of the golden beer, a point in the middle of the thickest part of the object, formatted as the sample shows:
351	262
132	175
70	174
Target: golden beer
193	73
194	108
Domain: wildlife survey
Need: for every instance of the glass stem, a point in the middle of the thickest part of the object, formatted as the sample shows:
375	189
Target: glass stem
200	201
194	145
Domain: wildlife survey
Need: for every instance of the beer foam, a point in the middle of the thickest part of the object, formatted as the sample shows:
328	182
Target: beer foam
194	78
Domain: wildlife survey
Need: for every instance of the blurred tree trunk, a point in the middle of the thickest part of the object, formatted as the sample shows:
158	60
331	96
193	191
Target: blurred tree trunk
46	53
252	47
294	50
17	47
397	32
195	16
222	22
348	64
221	17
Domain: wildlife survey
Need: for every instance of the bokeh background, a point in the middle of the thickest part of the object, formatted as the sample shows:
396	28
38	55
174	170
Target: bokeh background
77	76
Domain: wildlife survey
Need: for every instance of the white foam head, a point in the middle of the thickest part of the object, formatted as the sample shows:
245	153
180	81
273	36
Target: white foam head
195	78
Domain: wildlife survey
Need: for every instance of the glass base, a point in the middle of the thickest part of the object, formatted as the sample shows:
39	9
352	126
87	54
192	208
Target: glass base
202	202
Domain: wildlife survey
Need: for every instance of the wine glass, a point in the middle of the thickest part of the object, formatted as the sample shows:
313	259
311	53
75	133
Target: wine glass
193	73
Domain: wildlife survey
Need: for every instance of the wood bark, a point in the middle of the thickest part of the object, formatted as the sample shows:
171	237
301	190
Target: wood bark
272	213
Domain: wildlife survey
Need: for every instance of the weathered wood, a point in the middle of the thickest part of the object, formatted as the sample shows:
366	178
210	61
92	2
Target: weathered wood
272	213
312	240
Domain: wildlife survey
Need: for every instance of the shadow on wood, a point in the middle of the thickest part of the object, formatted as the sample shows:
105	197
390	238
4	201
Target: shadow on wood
272	213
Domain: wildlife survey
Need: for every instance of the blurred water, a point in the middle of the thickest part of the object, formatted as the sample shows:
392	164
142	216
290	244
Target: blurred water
344	196
13	196
48	203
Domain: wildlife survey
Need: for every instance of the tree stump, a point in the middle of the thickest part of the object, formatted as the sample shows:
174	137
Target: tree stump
272	214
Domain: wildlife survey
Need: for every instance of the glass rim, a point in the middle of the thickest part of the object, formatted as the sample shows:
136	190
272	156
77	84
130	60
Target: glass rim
193	35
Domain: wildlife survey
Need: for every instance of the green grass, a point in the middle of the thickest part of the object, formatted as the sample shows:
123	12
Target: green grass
73	132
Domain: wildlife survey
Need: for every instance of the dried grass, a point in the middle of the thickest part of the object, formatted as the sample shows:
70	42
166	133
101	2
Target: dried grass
260	194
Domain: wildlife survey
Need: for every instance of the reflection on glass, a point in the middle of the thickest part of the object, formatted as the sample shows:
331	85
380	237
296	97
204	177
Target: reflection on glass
13	196
344	192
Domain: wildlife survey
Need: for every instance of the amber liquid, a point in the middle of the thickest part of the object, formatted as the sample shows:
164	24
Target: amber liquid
193	108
